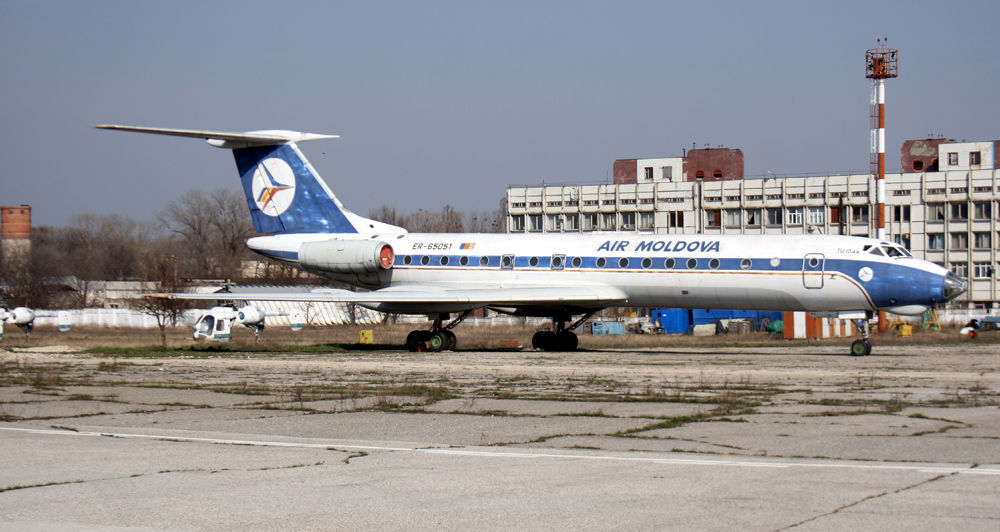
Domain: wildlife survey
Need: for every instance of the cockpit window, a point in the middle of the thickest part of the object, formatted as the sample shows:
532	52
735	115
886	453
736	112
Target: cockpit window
875	250
893	251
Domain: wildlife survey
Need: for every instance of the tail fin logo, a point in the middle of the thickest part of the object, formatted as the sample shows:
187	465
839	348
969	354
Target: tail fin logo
273	186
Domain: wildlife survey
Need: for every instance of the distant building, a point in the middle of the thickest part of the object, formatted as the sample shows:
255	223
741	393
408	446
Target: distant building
15	232
706	164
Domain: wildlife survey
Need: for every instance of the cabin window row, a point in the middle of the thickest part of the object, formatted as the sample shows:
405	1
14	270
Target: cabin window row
559	262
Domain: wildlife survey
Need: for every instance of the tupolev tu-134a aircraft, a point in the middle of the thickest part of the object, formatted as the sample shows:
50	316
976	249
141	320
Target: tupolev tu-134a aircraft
561	276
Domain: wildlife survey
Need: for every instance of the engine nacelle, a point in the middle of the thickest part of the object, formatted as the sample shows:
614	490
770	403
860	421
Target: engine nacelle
250	315
21	316
346	256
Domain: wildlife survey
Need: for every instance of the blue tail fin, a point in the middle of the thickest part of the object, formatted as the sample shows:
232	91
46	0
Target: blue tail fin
284	193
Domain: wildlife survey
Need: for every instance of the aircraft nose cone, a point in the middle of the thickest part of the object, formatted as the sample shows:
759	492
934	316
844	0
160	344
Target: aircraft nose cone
954	286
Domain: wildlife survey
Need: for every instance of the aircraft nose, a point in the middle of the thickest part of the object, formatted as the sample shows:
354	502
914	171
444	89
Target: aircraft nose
954	286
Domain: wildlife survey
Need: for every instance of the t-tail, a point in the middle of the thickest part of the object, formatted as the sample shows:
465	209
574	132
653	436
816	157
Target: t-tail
284	192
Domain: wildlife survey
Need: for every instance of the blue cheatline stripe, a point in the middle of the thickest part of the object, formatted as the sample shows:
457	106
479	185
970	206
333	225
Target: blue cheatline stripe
910	284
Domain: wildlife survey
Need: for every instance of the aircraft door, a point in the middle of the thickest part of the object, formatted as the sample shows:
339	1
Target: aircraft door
813	265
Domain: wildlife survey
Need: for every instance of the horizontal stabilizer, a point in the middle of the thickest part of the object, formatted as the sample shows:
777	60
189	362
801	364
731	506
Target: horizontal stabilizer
229	140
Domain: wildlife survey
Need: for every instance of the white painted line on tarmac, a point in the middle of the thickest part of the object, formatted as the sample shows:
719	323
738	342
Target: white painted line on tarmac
549	454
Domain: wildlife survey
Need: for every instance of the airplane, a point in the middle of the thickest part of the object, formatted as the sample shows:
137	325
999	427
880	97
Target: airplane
24	318
216	323
564	277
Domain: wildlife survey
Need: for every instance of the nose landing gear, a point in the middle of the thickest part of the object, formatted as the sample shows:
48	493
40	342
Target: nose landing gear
862	347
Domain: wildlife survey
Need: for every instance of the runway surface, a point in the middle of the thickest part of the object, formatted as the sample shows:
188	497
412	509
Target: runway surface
749	438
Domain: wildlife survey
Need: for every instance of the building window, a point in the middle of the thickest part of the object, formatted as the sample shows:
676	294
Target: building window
773	216
732	217
981	240
960	269
608	221
590	222
628	220
535	222
859	214
572	222
981	210
554	222
959	211
901	213
982	270
974	158
753	217
647	220
667	173
713	218
903	240
700	174
815	215
795	216
959	241
935	241
953	158
935	212
517	222
717	173
675	219
918	165
649	173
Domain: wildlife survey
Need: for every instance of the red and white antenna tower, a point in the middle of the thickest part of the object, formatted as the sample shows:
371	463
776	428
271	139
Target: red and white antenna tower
881	63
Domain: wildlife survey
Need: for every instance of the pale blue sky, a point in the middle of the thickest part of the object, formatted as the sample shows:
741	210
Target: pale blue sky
448	102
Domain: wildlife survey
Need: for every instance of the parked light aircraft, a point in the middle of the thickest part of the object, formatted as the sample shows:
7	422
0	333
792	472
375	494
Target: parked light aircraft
560	276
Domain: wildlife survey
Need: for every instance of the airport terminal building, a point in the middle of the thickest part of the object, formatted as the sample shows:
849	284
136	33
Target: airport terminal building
943	206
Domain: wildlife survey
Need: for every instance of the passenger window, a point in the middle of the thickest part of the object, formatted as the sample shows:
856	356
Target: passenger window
601	262
464	261
746	264
577	262
669	264
692	263
623	262
647	263
484	261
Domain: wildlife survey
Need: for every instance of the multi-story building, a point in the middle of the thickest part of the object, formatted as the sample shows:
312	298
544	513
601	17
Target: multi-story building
947	216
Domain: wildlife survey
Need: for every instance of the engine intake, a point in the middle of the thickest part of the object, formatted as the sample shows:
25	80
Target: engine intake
346	256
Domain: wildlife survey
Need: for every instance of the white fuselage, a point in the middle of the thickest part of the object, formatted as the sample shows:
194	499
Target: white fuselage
754	272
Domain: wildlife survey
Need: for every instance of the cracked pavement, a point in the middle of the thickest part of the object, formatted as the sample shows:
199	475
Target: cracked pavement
769	438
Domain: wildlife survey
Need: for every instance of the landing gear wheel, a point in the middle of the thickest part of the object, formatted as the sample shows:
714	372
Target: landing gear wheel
861	348
566	340
544	340
437	341
450	340
415	341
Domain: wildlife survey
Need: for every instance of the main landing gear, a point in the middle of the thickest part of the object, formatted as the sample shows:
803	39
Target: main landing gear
862	347
439	338
562	338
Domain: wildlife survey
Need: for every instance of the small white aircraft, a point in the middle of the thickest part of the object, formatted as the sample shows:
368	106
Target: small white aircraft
24	318
216	323
560	276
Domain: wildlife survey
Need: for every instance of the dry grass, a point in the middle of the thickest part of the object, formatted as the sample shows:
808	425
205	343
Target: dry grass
392	336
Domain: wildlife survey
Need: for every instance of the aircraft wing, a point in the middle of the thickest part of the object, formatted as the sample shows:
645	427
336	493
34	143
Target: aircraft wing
581	295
